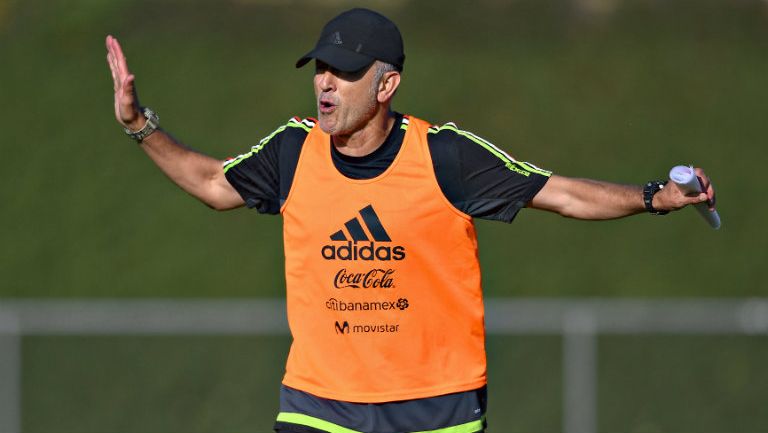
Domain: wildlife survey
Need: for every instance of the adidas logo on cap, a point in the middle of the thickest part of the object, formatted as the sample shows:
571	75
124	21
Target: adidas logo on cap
368	249
337	39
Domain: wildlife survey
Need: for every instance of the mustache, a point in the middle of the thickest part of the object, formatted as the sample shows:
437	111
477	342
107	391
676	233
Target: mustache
325	97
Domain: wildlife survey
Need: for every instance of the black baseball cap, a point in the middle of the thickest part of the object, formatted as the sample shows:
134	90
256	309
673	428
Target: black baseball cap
354	39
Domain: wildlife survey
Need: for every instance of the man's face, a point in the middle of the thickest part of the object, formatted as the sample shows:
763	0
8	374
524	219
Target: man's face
346	101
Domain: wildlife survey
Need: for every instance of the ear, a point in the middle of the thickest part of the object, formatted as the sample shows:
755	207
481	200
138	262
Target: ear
388	85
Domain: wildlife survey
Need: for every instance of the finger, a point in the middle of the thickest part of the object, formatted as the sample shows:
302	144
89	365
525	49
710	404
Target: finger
119	79
111	44
112	70
690	193
704	182
121	60
706	186
703	178
128	84
126	88
115	74
129	90
711	197
111	48
688	200
112	64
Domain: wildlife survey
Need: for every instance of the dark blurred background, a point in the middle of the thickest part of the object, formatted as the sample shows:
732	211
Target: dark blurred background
613	90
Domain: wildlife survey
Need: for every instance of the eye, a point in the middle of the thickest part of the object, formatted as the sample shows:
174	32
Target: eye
320	67
355	75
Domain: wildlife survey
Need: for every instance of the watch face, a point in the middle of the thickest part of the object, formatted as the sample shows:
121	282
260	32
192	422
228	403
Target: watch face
153	120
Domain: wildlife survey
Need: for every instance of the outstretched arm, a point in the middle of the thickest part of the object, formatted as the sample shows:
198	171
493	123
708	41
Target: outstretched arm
197	174
595	200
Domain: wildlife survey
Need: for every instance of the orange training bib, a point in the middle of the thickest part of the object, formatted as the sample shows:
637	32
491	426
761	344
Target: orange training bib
383	282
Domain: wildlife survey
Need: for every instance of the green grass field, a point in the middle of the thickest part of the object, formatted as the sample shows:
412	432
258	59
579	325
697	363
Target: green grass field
623	99
620	97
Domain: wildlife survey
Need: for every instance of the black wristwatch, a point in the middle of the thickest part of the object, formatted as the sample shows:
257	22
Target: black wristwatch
649	190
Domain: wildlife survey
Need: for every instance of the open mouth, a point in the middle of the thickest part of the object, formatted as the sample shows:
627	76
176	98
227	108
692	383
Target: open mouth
326	106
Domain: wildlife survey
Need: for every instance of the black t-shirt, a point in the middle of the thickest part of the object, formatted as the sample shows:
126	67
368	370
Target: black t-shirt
477	177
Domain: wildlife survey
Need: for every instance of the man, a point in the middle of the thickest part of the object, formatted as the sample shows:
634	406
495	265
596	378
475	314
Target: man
383	283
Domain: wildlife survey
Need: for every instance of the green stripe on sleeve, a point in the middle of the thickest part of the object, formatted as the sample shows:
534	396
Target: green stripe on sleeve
476	139
532	168
519	167
263	142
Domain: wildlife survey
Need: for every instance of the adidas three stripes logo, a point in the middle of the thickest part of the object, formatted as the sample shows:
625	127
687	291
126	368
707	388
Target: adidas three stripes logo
356	231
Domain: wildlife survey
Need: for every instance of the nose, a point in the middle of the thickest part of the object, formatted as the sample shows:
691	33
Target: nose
326	81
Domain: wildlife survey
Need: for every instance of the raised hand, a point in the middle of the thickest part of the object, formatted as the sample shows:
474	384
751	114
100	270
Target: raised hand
127	110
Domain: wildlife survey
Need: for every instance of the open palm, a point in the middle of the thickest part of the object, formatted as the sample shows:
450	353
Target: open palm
126	101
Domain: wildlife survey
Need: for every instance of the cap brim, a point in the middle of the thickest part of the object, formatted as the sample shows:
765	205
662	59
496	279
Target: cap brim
338	58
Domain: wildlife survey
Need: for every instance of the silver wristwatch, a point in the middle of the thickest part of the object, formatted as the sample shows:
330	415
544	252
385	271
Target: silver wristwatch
153	122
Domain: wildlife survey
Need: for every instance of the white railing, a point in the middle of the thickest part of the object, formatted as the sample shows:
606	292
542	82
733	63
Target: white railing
579	321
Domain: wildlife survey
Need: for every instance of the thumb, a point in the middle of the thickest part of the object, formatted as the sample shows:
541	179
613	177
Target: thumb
129	89
129	101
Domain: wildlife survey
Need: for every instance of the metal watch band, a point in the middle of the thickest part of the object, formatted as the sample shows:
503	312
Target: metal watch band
153	122
649	190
